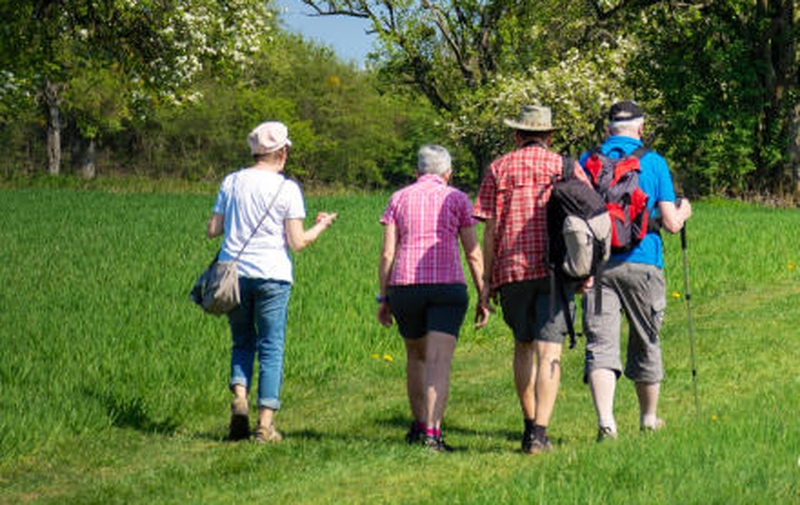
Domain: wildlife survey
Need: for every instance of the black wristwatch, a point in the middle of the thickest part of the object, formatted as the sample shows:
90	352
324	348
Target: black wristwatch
381	299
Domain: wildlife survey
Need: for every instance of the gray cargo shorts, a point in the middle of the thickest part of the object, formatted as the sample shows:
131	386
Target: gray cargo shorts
640	291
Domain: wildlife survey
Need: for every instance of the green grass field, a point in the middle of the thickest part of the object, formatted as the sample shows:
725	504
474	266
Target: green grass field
113	384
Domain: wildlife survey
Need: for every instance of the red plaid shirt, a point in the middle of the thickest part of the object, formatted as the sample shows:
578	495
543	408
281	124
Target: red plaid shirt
428	215
514	193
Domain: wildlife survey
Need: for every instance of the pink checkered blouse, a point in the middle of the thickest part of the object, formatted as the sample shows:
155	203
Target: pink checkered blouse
514	192
428	215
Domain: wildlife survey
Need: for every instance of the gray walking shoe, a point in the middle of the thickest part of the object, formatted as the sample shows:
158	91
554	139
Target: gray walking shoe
658	425
605	433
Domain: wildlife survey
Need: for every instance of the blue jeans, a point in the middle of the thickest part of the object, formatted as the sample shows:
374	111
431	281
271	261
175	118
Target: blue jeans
258	327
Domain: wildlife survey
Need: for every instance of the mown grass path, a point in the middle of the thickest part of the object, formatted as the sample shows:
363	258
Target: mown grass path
112	385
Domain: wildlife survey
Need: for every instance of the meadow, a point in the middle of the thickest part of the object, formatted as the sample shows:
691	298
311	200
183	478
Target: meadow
113	384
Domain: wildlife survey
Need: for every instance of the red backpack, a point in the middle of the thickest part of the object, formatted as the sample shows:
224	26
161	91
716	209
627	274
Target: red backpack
617	181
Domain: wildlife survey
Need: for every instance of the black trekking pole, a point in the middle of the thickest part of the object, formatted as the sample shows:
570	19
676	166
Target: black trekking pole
689	317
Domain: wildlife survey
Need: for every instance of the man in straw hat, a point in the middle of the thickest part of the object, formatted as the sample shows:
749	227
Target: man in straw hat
512	202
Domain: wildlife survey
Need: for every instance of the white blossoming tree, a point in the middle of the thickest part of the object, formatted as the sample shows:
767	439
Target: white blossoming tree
100	60
477	61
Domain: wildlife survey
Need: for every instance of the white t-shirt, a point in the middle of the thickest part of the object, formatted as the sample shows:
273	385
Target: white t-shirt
243	198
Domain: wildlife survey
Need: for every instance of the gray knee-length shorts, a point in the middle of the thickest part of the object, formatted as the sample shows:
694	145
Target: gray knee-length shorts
640	291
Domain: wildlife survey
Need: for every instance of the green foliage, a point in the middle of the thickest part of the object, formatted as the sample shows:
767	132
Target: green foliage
344	131
171	87
697	75
578	89
97	100
100	57
477	62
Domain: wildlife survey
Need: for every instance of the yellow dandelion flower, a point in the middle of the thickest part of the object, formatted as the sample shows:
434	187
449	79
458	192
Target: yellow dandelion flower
375	356
388	358
792	266
714	418
675	294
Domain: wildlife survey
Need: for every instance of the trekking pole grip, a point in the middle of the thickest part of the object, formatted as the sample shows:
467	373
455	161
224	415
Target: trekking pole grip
683	237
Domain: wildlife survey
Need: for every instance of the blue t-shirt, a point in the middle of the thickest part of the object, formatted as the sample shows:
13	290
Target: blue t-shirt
656	181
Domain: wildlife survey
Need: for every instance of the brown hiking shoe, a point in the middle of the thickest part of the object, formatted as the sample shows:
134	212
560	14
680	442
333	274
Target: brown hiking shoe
240	419
267	434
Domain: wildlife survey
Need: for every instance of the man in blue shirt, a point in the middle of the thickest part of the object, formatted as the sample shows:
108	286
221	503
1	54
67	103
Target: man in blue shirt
633	282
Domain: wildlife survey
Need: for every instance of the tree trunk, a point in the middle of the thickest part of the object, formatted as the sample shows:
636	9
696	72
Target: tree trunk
794	150
52	102
776	57
87	168
784	59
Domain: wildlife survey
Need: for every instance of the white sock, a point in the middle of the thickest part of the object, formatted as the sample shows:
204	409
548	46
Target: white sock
648	420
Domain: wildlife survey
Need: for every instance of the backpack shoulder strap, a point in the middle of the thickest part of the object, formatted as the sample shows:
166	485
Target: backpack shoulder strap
567	167
640	152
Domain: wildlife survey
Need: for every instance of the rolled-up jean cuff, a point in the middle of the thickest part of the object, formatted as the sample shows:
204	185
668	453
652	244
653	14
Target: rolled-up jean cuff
238	381
269	403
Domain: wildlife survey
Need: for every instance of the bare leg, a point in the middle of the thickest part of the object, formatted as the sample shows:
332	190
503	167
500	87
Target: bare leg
240	392
415	376
266	416
548	378
524	377
439	355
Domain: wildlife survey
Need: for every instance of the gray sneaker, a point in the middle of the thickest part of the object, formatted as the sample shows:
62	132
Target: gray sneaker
606	433
659	424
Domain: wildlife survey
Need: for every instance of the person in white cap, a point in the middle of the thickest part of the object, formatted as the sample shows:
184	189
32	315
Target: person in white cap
513	204
247	197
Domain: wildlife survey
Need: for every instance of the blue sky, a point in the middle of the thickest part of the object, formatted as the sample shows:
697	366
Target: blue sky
345	35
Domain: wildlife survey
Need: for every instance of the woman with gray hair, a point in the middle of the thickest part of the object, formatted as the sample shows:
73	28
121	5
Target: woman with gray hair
422	285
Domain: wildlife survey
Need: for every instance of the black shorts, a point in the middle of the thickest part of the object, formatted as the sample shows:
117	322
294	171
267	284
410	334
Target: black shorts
532	313
420	308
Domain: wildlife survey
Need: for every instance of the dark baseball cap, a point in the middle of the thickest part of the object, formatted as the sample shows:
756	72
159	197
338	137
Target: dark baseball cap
624	111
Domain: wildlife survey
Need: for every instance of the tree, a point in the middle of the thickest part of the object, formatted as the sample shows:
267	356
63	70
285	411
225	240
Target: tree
143	50
476	61
719	77
723	77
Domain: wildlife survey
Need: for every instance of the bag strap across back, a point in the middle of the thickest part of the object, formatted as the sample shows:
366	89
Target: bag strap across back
261	221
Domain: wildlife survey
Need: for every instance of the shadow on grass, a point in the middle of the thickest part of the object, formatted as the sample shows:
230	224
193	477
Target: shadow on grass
131	412
400	422
391	430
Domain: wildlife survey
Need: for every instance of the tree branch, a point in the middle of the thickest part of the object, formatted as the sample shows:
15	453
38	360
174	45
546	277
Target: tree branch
444	29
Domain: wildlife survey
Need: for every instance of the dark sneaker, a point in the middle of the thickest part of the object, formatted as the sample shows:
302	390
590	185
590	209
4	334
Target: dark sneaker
436	444
605	433
531	444
538	445
240	420
414	435
527	441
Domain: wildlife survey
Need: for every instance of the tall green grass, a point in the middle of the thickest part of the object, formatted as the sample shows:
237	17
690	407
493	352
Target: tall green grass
113	385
